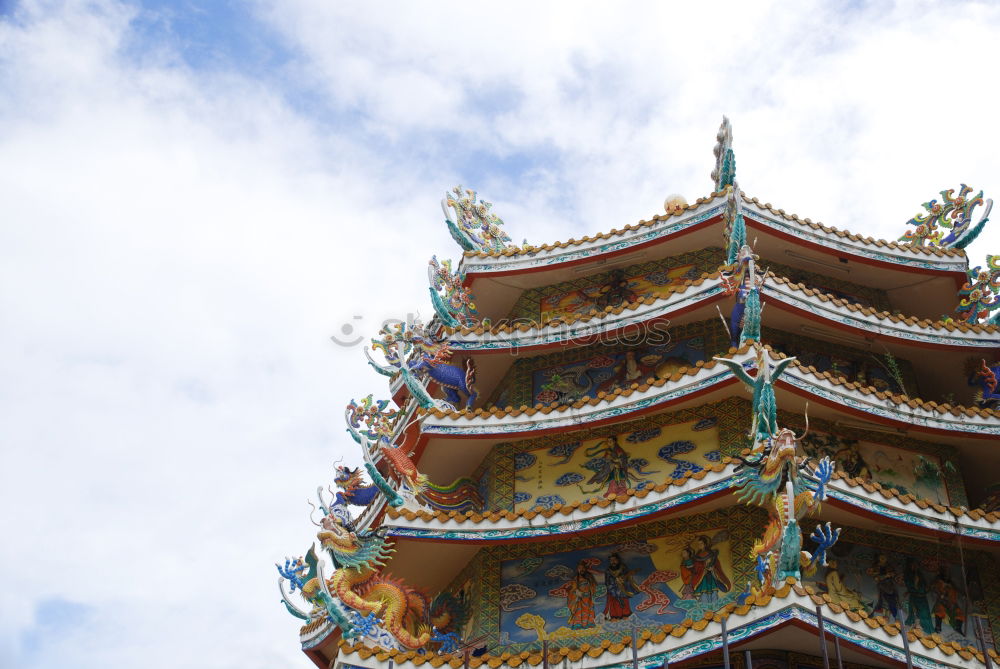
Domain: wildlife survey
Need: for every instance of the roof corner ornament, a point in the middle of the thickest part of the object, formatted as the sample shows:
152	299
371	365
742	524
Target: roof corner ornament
453	302
724	173
381	425
475	227
979	297
948	224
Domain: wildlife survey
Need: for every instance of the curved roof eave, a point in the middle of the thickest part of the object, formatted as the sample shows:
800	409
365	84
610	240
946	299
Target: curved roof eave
866	498
623	403
758	214
869	249
575	251
759	614
693	294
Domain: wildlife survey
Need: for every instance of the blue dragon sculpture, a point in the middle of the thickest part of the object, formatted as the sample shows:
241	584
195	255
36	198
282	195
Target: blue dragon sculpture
352	487
413	353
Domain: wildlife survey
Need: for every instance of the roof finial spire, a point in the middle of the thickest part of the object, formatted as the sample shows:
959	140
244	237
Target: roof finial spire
725	161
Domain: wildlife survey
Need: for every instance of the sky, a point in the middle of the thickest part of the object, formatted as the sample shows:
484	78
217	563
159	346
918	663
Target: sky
195	196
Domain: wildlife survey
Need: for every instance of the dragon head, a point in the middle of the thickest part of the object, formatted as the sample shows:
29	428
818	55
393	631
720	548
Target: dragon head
348	479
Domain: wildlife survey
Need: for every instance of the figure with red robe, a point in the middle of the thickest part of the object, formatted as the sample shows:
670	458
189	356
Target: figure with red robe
621	587
706	574
580	597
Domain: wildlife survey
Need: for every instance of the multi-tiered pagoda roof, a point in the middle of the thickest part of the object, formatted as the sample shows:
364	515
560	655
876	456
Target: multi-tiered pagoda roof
720	435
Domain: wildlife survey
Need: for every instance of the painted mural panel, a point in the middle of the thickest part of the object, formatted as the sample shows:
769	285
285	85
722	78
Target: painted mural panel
619	289
594	591
608	466
919	474
920	588
571	381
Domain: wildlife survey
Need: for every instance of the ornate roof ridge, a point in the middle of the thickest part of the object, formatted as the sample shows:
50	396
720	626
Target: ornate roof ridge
614	232
898	399
680	209
926	323
593	401
505	326
790	590
869	240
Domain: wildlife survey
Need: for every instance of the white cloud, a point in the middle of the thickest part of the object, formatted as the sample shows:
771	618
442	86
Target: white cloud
177	245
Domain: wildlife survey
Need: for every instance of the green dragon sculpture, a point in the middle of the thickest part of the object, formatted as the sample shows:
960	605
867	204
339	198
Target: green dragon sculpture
765	407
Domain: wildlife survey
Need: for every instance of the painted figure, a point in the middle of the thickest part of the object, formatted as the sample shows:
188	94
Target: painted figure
614	468
947	604
687	574
621	587
917	608
626	372
837	590
707	576
885	583
852	462
580	597
616	291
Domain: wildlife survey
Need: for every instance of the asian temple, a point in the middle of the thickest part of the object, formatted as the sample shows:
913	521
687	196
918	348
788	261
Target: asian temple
725	436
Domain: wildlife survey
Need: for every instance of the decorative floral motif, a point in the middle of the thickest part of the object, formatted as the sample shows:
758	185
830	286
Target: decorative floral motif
451	299
947	224
980	296
475	228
